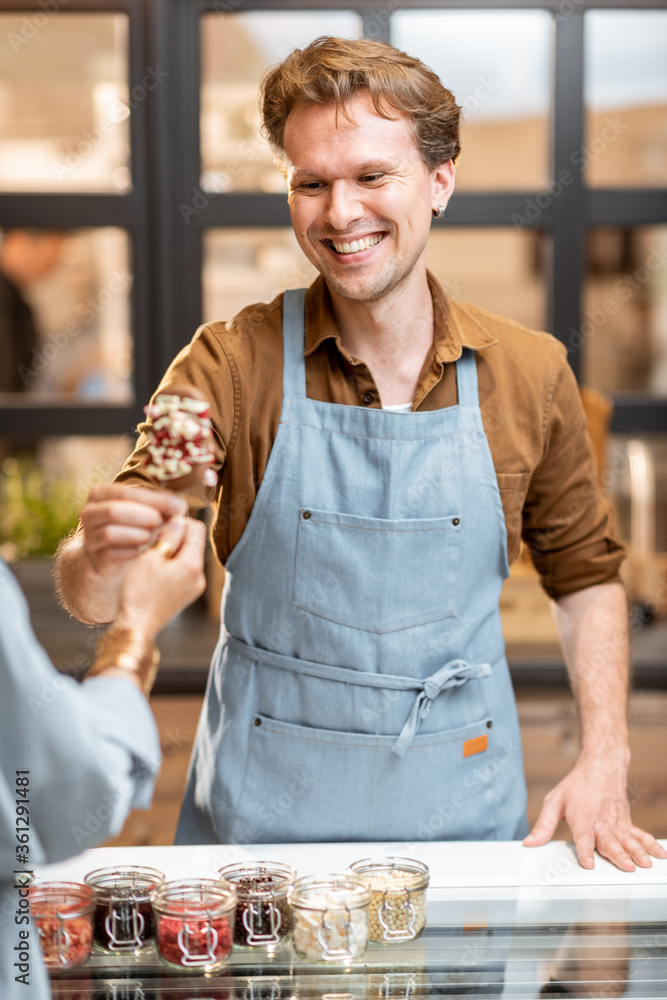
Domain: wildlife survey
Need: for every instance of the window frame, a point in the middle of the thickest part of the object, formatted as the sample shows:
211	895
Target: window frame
166	251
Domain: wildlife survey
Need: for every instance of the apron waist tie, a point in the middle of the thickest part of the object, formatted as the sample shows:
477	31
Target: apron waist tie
453	674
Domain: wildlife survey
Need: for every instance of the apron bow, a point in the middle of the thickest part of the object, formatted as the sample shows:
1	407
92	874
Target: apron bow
453	674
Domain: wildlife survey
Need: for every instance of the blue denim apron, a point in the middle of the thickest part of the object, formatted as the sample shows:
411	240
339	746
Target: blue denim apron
359	690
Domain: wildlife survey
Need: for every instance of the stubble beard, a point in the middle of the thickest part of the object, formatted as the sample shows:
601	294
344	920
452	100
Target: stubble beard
358	289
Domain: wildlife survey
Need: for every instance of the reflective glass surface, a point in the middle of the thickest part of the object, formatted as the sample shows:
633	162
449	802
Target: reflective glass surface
623	334
64	314
543	943
64	101
236	49
498	65
626	98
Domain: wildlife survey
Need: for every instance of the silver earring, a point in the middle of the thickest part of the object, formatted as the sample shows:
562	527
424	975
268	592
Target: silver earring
438	212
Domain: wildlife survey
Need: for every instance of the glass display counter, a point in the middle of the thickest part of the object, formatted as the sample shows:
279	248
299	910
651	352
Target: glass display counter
503	921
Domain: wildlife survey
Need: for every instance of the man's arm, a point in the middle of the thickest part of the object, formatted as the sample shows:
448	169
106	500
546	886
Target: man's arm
118	523
592	798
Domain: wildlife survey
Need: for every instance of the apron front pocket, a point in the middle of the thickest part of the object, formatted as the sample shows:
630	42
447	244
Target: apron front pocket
308	784
375	574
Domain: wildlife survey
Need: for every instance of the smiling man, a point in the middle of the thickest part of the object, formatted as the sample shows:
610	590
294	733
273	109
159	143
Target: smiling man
382	450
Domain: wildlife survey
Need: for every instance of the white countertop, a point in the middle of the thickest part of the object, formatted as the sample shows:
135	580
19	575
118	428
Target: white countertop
499	869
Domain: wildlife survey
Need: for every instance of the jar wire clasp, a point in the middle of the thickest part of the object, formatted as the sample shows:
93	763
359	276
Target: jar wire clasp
252	919
324	934
117	921
62	938
393	981
187	938
410	917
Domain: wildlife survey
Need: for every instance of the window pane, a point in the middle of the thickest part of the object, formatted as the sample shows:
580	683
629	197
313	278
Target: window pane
236	50
623	335
498	66
636	478
498	269
242	266
64	314
626	98
44	486
64	102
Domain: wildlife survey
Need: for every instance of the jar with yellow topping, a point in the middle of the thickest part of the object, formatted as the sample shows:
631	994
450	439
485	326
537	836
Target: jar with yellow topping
398	897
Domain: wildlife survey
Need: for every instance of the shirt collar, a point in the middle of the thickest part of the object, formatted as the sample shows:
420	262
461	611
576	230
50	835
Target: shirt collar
454	327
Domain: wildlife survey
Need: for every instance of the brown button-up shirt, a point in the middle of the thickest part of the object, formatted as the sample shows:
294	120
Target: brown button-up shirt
530	405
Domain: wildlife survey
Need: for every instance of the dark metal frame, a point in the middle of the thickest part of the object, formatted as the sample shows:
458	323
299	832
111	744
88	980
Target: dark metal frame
167	252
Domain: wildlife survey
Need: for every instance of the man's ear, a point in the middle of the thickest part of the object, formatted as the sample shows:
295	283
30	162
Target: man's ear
443	178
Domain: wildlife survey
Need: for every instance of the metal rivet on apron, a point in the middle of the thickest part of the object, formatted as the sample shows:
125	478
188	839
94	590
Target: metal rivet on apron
258	722
457	520
368	398
489	724
306	515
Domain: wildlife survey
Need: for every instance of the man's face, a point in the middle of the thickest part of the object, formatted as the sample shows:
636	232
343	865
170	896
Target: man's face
360	196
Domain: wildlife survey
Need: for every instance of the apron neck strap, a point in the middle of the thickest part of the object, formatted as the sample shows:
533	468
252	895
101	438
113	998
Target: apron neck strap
294	338
294	363
466	378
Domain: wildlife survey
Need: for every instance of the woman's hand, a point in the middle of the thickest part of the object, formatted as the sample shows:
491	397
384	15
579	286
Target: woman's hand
159	585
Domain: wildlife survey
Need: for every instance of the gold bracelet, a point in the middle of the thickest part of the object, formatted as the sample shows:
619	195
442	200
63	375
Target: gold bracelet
126	649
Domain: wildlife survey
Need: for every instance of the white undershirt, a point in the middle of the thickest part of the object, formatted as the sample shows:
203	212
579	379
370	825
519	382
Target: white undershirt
398	407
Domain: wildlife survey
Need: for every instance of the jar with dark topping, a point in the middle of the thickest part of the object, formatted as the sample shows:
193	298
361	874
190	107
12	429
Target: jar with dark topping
398	900
62	913
263	889
124	920
194	919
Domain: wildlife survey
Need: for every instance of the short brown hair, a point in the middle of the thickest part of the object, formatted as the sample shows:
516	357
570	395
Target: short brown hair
331	70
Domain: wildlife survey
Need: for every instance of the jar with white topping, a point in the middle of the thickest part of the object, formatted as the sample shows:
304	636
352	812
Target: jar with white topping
398	897
330	917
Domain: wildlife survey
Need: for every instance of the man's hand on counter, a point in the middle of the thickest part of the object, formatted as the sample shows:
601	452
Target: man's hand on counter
593	801
592	798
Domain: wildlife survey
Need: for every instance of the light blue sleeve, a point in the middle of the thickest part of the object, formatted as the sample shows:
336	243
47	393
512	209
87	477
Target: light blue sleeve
92	750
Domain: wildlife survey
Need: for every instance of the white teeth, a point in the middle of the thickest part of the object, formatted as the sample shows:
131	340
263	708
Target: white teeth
356	245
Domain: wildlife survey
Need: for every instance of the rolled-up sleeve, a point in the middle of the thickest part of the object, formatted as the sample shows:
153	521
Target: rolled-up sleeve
568	523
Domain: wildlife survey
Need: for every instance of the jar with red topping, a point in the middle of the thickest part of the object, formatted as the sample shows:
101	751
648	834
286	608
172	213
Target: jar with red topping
63	915
398	900
123	919
194	923
263	889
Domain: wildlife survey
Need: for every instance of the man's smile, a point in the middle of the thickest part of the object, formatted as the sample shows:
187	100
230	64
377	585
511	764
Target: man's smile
354	246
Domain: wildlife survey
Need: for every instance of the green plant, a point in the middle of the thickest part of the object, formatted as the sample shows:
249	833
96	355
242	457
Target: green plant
35	513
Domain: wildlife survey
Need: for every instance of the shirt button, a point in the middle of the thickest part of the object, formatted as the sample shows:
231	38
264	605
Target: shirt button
306	515
489	724
368	398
